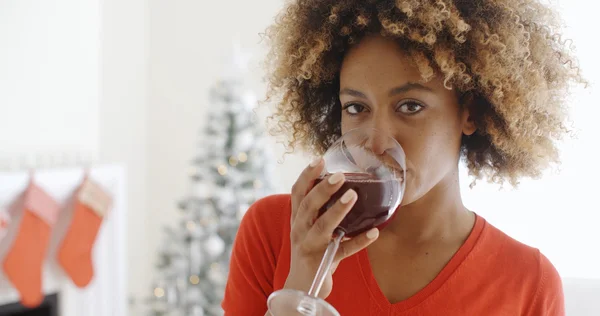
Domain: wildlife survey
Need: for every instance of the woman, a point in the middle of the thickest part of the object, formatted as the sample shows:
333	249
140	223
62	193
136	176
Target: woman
484	80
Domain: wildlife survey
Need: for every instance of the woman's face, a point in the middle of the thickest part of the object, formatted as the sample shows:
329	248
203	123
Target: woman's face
381	87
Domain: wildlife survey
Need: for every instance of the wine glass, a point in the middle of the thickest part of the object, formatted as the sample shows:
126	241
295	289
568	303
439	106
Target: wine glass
375	167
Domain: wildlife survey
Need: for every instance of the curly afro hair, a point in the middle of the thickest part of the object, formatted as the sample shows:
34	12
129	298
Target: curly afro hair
504	55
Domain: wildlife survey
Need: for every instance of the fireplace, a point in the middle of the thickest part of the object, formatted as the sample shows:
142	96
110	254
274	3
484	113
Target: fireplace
48	308
106	295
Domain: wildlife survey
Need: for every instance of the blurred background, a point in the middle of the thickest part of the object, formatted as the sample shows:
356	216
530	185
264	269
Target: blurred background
129	87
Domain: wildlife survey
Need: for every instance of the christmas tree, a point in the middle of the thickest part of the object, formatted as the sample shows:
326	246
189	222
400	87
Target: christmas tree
232	170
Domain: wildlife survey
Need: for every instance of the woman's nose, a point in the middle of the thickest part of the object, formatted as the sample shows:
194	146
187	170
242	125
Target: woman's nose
379	141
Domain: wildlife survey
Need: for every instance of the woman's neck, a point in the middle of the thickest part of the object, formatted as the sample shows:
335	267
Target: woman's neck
437	216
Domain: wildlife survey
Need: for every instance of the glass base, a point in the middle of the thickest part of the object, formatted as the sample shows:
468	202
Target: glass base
297	303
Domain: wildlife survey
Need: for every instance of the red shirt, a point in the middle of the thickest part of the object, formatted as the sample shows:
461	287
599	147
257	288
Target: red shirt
491	274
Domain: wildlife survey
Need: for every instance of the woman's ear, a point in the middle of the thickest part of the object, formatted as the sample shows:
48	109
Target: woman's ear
468	122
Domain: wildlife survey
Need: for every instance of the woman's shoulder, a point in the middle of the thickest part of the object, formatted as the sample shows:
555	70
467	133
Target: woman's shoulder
511	251
523	268
267	218
268	209
254	258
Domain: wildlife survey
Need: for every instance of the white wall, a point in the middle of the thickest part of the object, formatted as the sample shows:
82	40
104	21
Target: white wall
123	122
49	77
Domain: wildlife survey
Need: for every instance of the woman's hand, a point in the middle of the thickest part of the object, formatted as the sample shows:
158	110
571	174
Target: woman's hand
310	235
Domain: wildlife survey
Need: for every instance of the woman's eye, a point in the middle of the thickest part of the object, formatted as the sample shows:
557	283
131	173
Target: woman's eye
410	107
354	108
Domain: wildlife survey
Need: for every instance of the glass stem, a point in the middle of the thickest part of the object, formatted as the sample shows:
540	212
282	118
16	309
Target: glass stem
326	263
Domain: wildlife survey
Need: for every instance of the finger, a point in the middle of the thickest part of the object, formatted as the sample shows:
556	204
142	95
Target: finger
314	201
323	228
304	184
356	244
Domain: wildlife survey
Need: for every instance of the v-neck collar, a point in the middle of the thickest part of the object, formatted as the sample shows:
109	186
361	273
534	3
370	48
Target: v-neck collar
438	281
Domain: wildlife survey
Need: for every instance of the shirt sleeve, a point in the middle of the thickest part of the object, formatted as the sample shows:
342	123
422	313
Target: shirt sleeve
253	260
549	298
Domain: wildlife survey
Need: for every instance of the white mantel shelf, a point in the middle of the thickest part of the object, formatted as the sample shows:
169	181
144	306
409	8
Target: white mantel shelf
106	295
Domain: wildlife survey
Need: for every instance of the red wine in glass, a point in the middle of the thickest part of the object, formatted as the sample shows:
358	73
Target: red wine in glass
376	204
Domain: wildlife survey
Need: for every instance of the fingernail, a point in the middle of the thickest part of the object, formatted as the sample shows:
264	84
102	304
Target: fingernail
315	162
336	178
373	233
347	196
